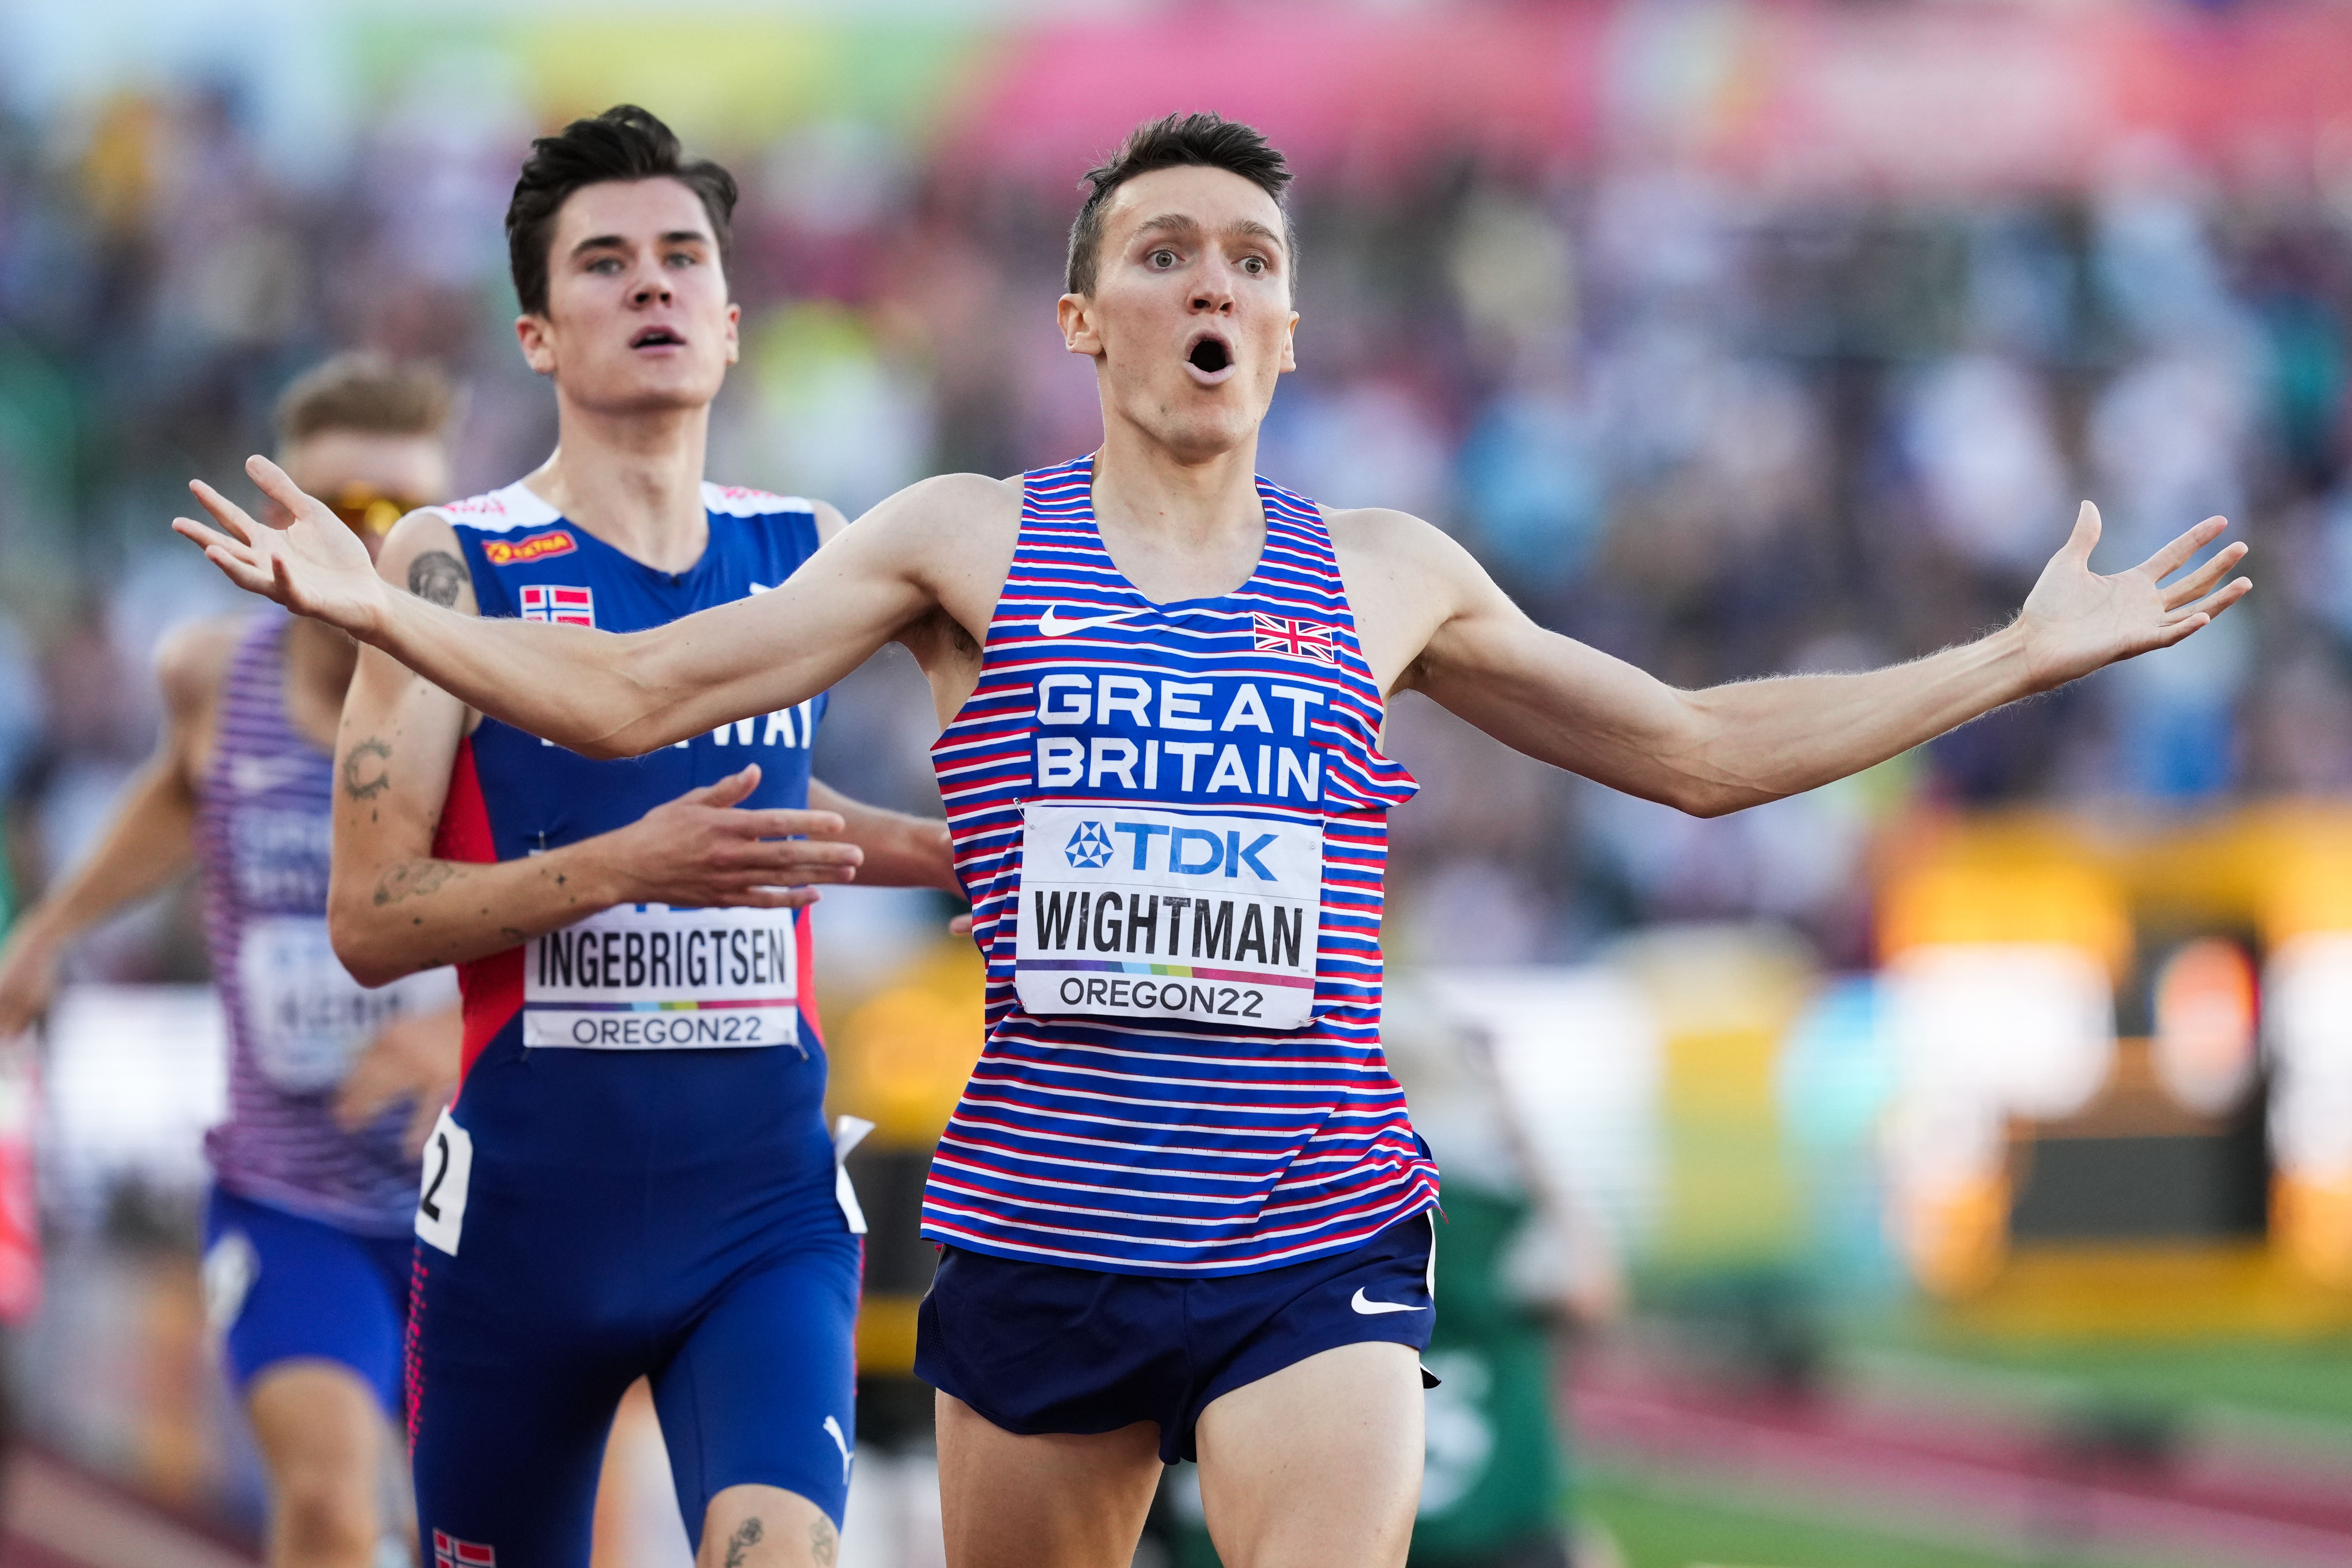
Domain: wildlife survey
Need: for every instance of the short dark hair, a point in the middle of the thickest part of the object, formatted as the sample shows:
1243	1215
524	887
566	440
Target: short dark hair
366	391
1201	141
625	143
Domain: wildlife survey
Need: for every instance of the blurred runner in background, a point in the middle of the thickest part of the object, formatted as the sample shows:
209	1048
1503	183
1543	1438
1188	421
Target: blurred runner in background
332	1086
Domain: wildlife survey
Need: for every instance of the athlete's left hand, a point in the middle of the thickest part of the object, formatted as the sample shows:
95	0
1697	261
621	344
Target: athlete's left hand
314	565
413	1058
2076	621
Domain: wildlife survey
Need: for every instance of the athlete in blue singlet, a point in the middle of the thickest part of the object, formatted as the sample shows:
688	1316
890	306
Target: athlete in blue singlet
314	1170
635	1179
1182	1206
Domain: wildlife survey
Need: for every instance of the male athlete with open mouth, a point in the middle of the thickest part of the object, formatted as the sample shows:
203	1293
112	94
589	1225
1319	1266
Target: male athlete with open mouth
1181	1201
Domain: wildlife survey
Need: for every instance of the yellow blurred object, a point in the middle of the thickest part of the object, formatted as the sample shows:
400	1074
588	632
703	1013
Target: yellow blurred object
118	166
886	1334
900	1058
2311	1225
2310	891
2152	1290
1955	1238
1724	996
2056	900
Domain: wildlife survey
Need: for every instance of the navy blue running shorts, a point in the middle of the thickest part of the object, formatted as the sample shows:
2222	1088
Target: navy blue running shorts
725	1274
1037	1348
280	1287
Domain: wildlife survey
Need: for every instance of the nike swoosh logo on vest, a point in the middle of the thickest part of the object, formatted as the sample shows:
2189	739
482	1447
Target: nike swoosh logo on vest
1051	624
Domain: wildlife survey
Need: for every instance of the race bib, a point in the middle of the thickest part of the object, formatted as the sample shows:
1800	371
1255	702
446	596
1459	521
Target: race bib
306	1016
448	1175
647	977
1146	913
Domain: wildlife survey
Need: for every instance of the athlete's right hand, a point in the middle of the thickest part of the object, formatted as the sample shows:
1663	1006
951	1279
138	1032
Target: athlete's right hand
29	979
702	850
314	567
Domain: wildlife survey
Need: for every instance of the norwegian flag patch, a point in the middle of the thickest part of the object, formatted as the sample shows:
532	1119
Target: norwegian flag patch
565	606
1300	640
449	1551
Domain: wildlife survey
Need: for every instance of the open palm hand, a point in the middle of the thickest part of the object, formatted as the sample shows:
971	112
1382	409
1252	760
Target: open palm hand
2076	621
314	567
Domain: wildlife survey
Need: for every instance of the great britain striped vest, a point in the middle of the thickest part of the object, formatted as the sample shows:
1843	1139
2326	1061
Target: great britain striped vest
1172	820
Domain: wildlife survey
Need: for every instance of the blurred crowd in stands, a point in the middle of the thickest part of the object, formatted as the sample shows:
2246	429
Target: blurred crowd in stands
1715	432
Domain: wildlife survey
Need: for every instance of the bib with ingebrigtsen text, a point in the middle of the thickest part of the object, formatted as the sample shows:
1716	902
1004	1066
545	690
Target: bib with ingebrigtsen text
648	977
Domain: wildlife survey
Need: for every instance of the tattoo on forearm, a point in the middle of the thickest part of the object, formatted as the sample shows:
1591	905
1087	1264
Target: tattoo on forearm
824	1542
747	1535
367	770
438	578
413	880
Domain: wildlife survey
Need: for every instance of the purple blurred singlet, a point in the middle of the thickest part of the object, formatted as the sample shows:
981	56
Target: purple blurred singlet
296	1019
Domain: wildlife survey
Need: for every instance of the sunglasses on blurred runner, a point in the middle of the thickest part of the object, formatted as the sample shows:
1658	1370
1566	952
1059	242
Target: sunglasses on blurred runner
366	510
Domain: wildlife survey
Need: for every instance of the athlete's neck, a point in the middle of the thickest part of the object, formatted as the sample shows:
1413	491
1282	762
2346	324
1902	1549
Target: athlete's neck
633	480
1177	527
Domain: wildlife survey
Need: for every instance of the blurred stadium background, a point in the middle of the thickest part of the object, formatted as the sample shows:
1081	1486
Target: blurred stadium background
1973	1139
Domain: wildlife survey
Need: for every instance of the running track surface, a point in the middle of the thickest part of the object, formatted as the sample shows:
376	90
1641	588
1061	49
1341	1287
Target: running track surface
1951	1474
1942	1474
58	1516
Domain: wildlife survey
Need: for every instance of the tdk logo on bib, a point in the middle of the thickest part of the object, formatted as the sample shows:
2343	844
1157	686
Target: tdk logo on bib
1177	849
1089	846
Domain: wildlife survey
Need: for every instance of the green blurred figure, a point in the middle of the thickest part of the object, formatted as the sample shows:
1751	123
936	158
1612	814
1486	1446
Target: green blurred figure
1496	1473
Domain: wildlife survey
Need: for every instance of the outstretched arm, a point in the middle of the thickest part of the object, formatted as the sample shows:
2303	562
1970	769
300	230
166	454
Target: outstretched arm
148	844
1726	747
601	694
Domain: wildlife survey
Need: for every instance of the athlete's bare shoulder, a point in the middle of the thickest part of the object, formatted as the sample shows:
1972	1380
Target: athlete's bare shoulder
952	535
421	555
193	657
191	665
949	540
1384	532
1405	578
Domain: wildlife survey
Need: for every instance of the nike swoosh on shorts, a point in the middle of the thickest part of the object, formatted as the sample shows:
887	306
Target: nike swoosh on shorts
1373	1308
1051	624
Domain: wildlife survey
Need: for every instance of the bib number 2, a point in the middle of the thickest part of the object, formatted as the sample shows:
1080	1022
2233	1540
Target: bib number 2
449	1169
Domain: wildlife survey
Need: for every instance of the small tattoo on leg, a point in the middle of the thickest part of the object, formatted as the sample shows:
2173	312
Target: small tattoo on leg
747	1535
824	1542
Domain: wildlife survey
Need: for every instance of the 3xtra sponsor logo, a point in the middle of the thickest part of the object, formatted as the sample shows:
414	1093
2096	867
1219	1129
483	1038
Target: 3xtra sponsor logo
531	547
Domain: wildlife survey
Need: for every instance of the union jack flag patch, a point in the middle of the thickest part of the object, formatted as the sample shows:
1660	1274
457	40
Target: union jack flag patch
565	606
1300	640
449	1551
